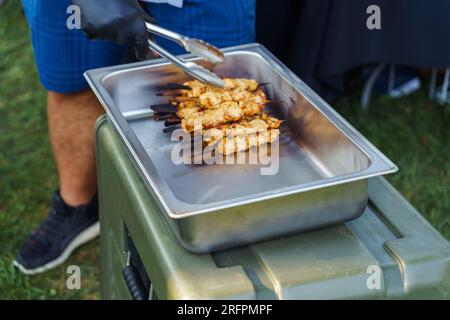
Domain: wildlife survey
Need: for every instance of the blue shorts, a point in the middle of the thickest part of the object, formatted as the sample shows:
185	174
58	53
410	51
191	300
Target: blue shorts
63	55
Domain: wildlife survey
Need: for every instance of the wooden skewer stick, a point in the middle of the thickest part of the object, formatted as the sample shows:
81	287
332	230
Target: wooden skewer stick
166	93
262	84
183	99
164	108
172	128
177	86
163	116
171	121
275	101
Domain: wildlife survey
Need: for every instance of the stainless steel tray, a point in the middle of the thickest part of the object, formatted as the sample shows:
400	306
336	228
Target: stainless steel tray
324	162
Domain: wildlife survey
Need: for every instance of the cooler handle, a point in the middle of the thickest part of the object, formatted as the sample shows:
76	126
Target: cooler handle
134	283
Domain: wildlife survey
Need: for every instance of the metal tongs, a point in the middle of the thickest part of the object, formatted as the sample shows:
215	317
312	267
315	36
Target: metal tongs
197	47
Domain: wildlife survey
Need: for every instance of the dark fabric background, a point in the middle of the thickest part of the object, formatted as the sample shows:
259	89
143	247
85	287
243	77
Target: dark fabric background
322	39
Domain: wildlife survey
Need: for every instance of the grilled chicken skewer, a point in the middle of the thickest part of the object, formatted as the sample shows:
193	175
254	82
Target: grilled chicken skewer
230	119
197	88
213	99
242	136
215	108
190	117
209	118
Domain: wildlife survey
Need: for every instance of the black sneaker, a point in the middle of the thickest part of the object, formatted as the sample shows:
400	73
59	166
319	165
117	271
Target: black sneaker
65	229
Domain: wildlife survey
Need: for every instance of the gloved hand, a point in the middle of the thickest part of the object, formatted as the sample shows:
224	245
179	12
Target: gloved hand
121	21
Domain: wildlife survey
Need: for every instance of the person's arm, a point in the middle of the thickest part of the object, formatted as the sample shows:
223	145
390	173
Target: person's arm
121	21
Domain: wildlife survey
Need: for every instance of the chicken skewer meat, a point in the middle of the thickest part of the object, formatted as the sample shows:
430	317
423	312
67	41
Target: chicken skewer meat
215	108
213	99
226	112
196	88
242	136
230	119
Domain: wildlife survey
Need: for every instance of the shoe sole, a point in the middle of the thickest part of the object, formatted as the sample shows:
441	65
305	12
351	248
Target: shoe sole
85	236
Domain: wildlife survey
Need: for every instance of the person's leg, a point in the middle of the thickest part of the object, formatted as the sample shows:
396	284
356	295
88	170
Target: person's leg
73	218
71	120
62	55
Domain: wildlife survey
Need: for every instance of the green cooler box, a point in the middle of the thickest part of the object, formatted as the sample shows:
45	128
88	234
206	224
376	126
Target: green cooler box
390	252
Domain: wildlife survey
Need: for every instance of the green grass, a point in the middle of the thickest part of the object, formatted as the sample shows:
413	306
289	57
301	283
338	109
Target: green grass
413	132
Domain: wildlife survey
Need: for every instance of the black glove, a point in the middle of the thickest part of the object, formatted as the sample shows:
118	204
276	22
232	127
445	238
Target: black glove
121	21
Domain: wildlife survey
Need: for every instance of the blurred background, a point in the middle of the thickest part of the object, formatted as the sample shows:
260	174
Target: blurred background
390	83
